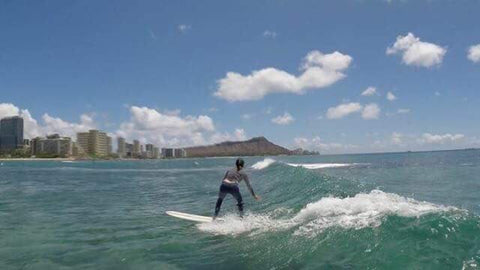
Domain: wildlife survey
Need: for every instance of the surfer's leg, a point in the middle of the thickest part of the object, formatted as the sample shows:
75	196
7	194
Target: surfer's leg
221	196
238	196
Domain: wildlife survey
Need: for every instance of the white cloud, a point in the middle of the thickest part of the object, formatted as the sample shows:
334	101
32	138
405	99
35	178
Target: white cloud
247	116
57	125
159	128
415	141
284	119
370	91
397	138
391	96
474	53
440	138
316	143
269	34
417	53
319	71
238	135
371	111
172	112
50	124
437	93
343	110
184	28
403	111
173	130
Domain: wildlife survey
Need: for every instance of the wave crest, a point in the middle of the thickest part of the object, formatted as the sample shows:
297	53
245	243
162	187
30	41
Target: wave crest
314	166
362	210
260	165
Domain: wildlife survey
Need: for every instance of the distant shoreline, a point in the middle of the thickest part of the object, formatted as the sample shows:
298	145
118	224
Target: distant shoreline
211	157
37	159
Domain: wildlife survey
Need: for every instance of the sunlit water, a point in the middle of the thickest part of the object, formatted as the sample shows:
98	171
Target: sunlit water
382	211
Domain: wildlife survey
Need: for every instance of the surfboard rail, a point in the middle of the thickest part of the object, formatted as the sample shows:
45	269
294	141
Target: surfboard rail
191	217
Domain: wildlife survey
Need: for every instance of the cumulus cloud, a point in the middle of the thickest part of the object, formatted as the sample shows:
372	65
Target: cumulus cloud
247	116
284	119
371	111
318	71
397	138
50	125
370	91
391	96
160	128
150	125
343	110
440	138
425	139
316	143
238	135
474	53
184	28
57	125
417	53
269	34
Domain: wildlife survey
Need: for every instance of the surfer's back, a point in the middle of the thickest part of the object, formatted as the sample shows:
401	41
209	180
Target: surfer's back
234	176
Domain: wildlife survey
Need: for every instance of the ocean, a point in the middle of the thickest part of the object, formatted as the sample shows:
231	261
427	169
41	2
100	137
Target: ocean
368	211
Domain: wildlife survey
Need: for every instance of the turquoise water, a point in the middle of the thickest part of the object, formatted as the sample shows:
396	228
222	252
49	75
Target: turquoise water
382	211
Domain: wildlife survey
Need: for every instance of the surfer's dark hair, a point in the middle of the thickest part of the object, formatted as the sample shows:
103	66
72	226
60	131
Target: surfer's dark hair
239	163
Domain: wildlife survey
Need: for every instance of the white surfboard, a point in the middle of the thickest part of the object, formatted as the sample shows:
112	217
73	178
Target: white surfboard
191	217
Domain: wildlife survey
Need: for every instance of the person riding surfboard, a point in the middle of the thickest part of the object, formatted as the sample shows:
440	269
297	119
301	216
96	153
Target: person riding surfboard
230	186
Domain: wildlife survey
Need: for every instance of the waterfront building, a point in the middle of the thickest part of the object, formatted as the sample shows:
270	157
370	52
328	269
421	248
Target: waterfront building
156	153
129	150
174	153
149	147
137	151
121	147
77	151
109	145
11	133
168	153
149	150
180	153
52	145
95	142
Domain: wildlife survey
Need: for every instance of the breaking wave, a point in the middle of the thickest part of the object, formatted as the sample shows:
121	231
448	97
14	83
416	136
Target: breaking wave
361	211
260	165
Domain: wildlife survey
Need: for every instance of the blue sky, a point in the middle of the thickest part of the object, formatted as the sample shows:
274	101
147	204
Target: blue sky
151	69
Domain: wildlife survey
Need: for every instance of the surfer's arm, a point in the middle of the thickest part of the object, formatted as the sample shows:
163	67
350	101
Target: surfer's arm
245	177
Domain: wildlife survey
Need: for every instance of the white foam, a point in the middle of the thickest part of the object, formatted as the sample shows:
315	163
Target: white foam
314	166
263	164
360	211
234	225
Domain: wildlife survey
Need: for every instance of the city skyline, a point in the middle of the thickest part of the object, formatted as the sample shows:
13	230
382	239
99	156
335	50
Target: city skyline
302	74
93	143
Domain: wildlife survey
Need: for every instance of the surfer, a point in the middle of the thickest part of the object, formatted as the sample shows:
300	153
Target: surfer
230	186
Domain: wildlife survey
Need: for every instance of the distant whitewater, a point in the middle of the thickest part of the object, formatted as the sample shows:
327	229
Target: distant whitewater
313	166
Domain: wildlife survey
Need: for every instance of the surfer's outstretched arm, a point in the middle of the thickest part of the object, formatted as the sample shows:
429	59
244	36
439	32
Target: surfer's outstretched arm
249	186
